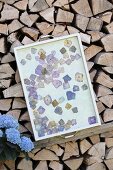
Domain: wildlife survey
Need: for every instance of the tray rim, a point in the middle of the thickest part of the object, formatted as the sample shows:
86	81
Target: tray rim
87	75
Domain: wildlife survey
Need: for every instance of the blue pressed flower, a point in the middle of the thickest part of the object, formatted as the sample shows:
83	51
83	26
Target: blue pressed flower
26	144
1	133
8	121
13	135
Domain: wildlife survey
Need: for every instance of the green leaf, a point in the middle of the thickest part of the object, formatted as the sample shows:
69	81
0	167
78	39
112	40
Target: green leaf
1	146
11	145
26	156
10	153
1	149
2	156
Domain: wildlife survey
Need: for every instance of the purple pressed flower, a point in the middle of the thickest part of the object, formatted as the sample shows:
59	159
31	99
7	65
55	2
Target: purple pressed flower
92	120
57	83
38	70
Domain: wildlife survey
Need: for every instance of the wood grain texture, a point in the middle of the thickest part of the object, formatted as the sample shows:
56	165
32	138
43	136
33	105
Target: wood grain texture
25	21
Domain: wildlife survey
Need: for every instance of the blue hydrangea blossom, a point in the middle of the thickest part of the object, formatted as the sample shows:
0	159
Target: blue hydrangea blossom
26	144
13	136
8	121
10	124
1	133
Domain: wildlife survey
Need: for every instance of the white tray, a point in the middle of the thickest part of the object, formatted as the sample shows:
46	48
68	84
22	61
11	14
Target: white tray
57	86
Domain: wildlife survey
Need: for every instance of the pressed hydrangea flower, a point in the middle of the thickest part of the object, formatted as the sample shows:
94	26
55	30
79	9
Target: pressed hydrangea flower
1	133
8	121
13	135
26	144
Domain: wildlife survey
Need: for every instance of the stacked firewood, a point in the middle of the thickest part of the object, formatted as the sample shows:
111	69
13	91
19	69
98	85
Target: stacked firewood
23	22
93	153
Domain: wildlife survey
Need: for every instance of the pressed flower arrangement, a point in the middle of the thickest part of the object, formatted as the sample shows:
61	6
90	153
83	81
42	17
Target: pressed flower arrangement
11	141
54	85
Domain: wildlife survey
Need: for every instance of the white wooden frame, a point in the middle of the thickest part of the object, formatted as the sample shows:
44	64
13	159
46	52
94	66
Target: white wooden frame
86	72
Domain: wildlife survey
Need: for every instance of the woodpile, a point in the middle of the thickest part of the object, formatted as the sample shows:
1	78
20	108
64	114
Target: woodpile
23	22
93	153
